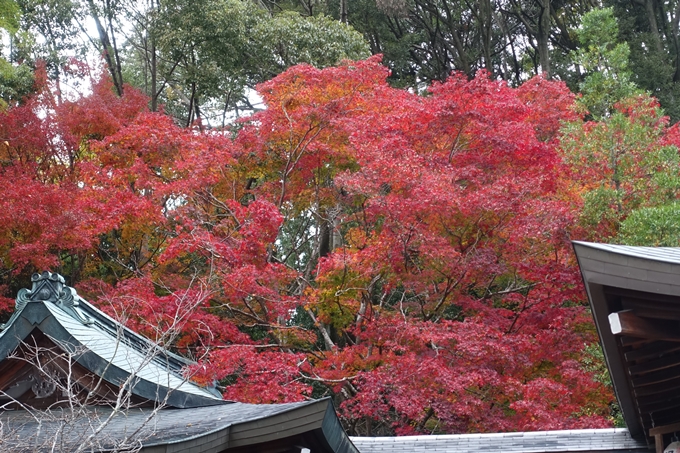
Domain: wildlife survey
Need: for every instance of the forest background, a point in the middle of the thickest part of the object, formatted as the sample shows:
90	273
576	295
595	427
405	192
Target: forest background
393	231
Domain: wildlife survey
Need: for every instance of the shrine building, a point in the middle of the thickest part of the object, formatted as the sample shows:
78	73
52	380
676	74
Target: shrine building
74	379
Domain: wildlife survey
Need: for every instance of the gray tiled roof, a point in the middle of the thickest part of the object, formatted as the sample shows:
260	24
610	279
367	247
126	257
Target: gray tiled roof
665	254
522	442
132	427
102	345
146	363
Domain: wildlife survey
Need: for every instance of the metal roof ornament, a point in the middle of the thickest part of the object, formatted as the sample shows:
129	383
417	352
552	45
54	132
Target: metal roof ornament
51	287
47	287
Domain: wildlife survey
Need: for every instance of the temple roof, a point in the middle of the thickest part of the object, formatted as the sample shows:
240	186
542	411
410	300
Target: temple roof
166	411
100	344
233	427
634	294
579	440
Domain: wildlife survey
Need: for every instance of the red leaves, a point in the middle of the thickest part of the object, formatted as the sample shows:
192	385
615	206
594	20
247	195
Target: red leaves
551	105
258	377
462	216
444	299
98	115
472	377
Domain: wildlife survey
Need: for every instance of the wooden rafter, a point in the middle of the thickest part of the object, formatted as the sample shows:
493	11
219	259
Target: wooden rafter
628	323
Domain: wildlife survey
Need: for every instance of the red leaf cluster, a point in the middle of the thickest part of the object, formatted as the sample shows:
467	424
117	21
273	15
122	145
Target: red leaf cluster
407	254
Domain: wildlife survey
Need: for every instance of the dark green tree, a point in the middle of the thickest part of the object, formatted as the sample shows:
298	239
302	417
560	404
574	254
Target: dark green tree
16	80
650	27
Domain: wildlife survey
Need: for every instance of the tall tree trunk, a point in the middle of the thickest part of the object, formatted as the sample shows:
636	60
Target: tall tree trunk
110	52
343	11
653	25
543	37
154	76
485	16
669	24
155	7
108	10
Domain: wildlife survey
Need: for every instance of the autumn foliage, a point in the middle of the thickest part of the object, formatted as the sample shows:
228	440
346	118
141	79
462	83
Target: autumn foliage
408	255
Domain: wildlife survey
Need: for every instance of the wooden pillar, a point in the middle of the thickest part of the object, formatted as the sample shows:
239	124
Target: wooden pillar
658	432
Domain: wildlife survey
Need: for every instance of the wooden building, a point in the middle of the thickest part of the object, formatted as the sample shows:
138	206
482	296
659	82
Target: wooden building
97	386
74	379
634	293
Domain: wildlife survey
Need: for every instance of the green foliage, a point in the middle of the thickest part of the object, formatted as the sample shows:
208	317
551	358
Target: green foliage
9	15
593	361
16	82
657	226
652	37
288	39
210	54
601	205
605	62
623	163
384	24
202	51
53	22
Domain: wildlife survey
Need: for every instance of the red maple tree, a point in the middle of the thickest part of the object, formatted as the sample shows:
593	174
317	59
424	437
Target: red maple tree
406	254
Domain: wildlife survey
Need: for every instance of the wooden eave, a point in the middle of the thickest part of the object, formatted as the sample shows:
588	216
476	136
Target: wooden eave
313	425
634	293
229	428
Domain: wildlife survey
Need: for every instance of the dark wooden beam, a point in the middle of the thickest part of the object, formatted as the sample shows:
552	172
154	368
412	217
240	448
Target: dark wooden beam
642	295
630	342
651	309
655	389
654	365
628	323
658	404
653	350
656	377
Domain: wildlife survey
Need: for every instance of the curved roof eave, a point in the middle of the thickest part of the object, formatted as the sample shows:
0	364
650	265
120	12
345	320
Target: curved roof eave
104	356
615	277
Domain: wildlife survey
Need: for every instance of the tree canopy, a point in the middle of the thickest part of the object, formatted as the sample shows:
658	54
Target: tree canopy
406	251
408	255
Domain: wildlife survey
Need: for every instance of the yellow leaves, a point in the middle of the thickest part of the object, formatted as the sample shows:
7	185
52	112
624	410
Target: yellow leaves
356	238
337	298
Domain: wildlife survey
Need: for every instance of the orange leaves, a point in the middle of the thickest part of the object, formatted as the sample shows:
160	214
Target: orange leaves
453	207
408	254
299	142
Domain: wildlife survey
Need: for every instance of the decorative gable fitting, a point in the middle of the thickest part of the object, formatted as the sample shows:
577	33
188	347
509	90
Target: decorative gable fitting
51	315
49	287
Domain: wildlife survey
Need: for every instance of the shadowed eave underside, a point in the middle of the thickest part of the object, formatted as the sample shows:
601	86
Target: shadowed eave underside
634	294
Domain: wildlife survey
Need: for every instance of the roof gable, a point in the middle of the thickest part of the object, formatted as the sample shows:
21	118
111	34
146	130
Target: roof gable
101	345
165	411
634	294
